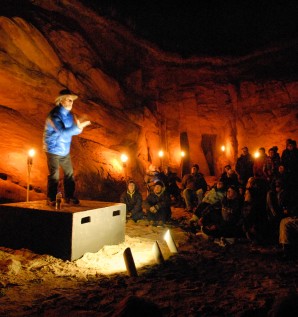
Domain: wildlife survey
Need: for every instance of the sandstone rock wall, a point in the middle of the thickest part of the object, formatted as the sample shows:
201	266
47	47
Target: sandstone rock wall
139	99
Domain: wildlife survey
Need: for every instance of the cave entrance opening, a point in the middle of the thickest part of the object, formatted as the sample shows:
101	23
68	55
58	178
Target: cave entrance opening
208	146
185	162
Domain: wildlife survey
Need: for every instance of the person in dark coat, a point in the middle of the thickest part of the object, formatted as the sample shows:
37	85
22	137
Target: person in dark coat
244	166
272	163
158	205
170	181
277	202
224	175
133	200
194	187
227	221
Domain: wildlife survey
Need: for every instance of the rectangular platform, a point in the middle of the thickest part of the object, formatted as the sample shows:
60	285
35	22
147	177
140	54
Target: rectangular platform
67	233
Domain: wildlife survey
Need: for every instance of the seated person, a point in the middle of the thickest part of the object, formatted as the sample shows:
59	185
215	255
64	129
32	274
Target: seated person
224	175
227	221
172	188
212	199
251	183
258	188
157	204
133	200
152	175
232	179
250	214
288	236
215	195
195	186
281	176
277	202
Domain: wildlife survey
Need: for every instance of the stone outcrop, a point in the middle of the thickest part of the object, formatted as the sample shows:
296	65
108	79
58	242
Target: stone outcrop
139	99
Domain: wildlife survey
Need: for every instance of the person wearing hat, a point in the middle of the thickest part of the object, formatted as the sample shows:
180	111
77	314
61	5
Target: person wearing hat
158	205
59	128
194	187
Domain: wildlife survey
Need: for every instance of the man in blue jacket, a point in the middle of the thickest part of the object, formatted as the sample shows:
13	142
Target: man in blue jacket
60	126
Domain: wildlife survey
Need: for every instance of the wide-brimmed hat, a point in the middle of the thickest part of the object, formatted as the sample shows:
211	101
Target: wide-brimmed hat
66	92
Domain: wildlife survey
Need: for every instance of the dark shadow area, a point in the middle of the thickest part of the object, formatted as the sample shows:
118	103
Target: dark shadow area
206	27
208	147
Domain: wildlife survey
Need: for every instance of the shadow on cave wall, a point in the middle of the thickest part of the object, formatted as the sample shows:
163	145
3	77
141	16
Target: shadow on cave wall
208	146
94	187
111	190
184	145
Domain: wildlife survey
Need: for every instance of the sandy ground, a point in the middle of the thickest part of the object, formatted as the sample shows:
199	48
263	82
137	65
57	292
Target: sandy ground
202	279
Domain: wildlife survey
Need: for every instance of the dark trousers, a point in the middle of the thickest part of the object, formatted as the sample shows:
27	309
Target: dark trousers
163	214
54	162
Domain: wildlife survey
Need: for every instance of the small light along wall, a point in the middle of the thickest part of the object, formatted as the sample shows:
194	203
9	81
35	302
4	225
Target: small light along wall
124	159
119	163
161	155
226	150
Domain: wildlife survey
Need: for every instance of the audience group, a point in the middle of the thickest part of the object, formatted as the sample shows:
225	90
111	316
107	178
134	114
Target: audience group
157	205
256	200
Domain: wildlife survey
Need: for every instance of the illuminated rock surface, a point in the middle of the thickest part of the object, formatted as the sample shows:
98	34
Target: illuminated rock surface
138	98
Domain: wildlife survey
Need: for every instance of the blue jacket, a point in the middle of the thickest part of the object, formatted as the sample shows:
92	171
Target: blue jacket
58	132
